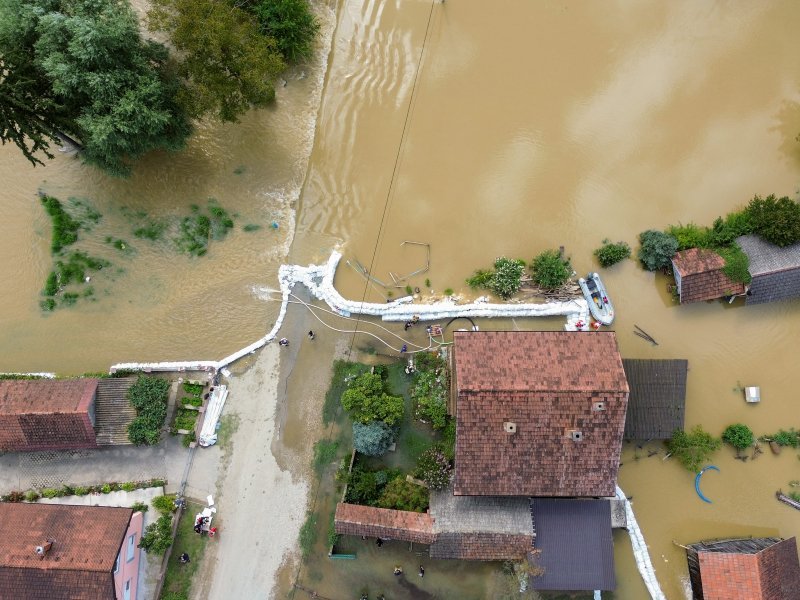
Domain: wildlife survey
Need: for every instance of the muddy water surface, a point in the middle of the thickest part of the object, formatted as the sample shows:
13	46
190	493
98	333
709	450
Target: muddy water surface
536	125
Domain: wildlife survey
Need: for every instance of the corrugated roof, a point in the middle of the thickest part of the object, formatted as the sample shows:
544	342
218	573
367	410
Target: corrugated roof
538	361
45	396
576	544
768	258
657	402
78	566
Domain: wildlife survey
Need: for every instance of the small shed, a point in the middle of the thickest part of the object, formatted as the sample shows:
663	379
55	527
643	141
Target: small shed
752	568
657	402
699	276
775	271
575	543
47	414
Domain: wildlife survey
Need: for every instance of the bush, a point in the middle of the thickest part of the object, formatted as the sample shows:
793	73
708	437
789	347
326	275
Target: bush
324	453
430	397
505	280
725	232
149	397
157	536
449	439
363	487
434	468
400	494
372	439
694	448
51	493
775	220
657	249
165	504
140	507
128	486
550	271
193	389
81	491
737	264
32	496
610	254
366	401
786	438
739	436
689	236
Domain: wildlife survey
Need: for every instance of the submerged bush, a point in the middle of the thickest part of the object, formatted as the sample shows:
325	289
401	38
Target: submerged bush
610	254
786	438
775	220
694	448
738	435
550	271
657	249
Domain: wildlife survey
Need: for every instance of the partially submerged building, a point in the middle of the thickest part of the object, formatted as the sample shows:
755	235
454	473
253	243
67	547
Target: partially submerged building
751	568
699	276
775	271
539	426
63	552
657	402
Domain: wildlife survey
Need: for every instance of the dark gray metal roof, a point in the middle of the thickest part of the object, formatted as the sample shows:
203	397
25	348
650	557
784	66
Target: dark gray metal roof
768	258
657	401
577	548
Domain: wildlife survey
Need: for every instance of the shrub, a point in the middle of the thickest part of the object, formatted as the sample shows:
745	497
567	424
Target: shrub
507	277
14	497
786	438
400	494
128	486
430	397
690	236
550	271
32	496
333	537
449	438
737	264
610	254
165	504
363	487
366	401
434	468
775	220
157	536
725	232
657	249
739	436
141	507
149	397
372	439
193	389
694	448
106	488
51	493
81	491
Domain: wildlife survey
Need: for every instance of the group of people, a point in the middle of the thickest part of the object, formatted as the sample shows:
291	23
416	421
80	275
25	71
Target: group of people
398	570
285	341
414	320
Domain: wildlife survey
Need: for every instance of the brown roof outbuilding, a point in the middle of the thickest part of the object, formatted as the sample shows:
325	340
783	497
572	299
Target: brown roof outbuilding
354	519
538	413
699	275
80	563
751	568
47	414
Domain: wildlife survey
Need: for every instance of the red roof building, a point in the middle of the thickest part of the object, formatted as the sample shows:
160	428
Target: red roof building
47	414
63	552
699	276
749	569
538	413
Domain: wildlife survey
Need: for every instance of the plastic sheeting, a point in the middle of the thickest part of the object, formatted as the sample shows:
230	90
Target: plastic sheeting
640	553
208	433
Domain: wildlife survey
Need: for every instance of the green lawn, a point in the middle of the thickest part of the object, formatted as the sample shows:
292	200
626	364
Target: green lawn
178	579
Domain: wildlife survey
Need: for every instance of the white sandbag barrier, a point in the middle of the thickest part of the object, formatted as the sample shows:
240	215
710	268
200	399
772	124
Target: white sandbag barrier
640	553
318	279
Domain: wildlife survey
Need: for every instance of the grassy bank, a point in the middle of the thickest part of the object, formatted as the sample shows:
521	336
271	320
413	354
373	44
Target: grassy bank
178	578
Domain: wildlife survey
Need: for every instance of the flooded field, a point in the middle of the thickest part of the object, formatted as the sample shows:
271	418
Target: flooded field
484	131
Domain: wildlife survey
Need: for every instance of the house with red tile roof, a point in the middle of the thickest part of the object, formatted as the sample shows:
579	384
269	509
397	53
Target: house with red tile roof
539	425
699	276
538	413
750	569
64	552
47	414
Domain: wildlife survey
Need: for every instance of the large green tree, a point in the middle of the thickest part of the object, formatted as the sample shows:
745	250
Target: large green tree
289	22
94	78
227	64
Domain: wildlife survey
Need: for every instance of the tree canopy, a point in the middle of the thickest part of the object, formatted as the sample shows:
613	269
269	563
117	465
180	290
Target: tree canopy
366	401
228	66
290	23
81	68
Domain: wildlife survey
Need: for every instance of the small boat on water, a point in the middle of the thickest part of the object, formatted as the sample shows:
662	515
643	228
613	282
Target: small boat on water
595	293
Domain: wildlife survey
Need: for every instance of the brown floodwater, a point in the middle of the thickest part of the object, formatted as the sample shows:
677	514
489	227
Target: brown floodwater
485	130
546	124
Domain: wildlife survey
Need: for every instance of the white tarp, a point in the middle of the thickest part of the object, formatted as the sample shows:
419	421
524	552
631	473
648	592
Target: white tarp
208	433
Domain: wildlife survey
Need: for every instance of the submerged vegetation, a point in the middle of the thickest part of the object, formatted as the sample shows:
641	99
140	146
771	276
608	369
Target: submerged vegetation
610	253
694	448
551	270
504	280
